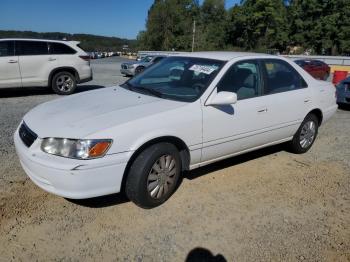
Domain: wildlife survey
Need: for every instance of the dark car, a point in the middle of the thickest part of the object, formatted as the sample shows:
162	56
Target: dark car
316	68
343	92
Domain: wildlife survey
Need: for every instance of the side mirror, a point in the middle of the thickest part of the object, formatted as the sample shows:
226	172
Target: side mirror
223	98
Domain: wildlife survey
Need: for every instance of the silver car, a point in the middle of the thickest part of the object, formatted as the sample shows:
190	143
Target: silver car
136	67
343	92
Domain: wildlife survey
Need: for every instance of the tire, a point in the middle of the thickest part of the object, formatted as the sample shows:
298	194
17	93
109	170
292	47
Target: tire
143	178
64	83
306	135
139	69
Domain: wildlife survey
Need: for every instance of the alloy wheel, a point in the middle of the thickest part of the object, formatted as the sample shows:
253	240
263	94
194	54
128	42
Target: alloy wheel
162	176
307	134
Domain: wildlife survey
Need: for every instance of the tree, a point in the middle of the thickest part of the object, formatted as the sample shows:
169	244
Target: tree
212	25
168	25
259	24
323	25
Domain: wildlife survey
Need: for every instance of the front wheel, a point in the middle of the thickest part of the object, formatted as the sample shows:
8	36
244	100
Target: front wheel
64	83
153	176
306	135
139	69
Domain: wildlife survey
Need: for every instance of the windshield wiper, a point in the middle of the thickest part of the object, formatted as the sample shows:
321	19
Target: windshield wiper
145	89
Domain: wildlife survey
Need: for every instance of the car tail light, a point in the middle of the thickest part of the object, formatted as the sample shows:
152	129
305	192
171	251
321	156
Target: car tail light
85	57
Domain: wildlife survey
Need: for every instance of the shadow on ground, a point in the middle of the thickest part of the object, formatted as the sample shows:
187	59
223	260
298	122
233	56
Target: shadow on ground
120	198
103	201
200	254
37	91
236	160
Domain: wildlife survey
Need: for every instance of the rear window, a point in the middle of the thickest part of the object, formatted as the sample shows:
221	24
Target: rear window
60	49
281	77
319	63
31	48
6	48
300	62
78	45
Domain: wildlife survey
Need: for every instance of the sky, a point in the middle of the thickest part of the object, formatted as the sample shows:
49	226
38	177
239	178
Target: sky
118	18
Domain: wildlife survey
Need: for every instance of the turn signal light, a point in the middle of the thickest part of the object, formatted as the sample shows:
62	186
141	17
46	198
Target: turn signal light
99	149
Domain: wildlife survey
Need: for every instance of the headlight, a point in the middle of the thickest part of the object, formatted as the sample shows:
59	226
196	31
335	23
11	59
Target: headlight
131	66
76	148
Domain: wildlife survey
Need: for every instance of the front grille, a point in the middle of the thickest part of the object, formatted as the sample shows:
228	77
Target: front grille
27	136
124	67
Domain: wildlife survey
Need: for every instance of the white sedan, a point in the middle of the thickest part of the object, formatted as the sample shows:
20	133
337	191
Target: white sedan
184	112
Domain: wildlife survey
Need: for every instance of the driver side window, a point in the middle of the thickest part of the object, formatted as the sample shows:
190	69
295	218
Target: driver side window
243	78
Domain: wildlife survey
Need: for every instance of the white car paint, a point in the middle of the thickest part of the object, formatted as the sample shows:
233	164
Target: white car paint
10	75
35	70
131	119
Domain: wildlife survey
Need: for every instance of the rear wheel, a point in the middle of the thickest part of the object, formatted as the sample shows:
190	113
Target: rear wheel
64	83
306	135
154	175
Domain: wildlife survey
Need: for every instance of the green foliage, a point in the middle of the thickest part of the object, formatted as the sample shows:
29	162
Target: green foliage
169	25
88	42
322	26
211	26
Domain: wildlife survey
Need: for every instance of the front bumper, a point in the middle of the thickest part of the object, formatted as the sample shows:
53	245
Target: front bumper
128	72
71	178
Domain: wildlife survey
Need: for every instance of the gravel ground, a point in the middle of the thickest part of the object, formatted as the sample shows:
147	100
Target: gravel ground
268	205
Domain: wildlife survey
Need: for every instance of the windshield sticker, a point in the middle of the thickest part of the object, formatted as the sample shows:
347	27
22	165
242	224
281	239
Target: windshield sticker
203	69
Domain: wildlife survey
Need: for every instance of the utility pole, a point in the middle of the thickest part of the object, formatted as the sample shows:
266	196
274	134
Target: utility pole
193	34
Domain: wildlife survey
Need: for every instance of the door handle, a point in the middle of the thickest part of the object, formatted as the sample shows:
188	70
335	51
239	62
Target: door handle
307	100
263	110
13	61
52	59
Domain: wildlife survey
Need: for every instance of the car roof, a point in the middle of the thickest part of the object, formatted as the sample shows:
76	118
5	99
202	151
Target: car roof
42	40
225	55
308	60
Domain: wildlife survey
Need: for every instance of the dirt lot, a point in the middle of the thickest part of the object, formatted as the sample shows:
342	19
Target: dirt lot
263	206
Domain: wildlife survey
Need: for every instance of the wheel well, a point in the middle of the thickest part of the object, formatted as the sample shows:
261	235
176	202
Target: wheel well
64	69
180	145
318	113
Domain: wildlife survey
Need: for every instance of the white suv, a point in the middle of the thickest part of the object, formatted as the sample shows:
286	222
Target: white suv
44	63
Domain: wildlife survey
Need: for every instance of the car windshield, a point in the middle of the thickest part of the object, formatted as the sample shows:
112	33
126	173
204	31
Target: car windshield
176	78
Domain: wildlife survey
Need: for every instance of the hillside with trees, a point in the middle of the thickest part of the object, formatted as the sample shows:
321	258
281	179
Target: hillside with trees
88	42
285	26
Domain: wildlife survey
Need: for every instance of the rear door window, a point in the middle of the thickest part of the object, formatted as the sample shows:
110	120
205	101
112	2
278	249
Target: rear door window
7	48
24	48
60	49
280	77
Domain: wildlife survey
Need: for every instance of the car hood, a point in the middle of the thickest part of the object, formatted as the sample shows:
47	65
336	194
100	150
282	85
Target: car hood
136	63
84	114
